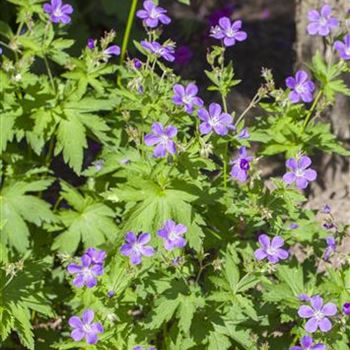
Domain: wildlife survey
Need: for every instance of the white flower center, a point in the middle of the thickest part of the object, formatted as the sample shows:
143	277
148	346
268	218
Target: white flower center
323	21
173	235
230	33
164	139
58	12
300	88
347	51
213	121
299	172
318	315
86	328
271	251
187	99
154	13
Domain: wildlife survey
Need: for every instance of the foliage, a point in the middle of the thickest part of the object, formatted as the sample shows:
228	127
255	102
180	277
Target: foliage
76	173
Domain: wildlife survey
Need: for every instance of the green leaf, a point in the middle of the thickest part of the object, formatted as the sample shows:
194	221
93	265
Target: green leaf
218	341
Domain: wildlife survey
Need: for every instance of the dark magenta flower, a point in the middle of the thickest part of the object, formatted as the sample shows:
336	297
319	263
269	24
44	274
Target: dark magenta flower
135	247
346	309
90	43
187	96
321	22
228	32
84	328
113	50
96	256
173	235
58	12
317	314
162	137
272	250
215	120
331	247
302	87
137	63
183	55
86	273
152	14
166	52
225	11
343	48
241	165
307	343
300	173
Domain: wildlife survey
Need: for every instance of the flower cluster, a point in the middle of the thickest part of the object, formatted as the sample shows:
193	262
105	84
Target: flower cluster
91	267
136	246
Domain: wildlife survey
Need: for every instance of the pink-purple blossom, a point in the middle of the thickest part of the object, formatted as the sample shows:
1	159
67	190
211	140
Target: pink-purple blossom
346	308
163	138
317	314
241	165
228	32
343	47
187	96
90	43
300	172
113	50
321	22
302	87
86	274
138	347
164	51
136	247
331	247
244	134
307	343
172	235
151	14
85	328
215	119
271	249
58	12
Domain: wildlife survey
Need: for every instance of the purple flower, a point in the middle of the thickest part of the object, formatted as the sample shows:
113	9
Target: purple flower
228	32
97	256
293	226
271	249
299	172
346	309
343	48
135	247
183	55
113	50
307	343
86	273
328	225
321	23
58	12
111	293
167	52
331	247
90	43
138	347
303	297
215	119
173	235
241	165
244	134
137	63
302	88
162	137
187	96
152	14
84	328
317	314
326	209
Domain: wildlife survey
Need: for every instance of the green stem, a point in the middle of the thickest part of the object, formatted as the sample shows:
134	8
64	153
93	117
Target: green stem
225	165
128	29
314	105
49	73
